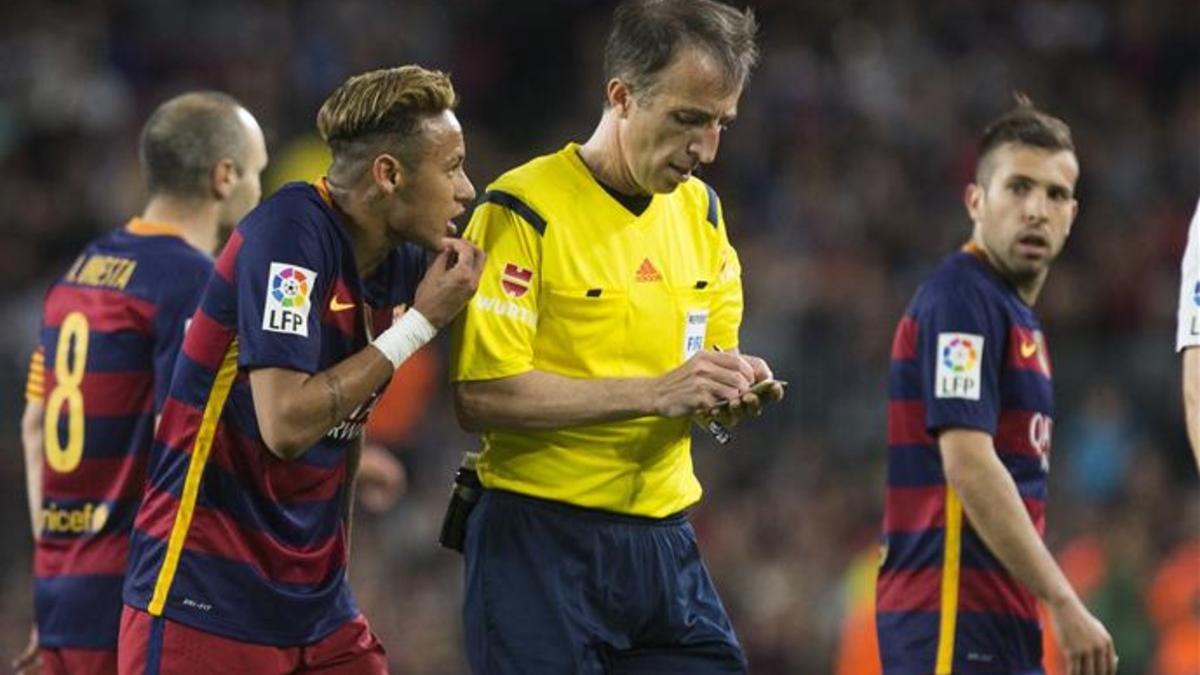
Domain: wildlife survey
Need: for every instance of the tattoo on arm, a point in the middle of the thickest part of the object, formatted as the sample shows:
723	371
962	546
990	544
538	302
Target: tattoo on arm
334	385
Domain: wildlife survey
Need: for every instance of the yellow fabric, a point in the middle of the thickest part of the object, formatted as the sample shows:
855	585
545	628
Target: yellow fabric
211	418
950	575
35	384
609	297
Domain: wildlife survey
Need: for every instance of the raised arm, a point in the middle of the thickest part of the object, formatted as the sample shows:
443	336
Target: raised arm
295	409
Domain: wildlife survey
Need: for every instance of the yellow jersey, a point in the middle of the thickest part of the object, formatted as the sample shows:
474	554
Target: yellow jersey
577	285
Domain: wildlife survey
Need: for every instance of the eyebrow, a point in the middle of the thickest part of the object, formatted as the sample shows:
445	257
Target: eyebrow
1050	185
708	115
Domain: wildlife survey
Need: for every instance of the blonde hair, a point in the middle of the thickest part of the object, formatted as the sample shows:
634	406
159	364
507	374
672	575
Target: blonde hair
386	102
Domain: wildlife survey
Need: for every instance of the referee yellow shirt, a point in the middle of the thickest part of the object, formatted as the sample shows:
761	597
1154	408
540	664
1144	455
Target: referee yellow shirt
578	286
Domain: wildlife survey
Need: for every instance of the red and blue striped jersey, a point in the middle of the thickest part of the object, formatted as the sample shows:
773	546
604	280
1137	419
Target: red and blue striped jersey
968	353
111	330
231	539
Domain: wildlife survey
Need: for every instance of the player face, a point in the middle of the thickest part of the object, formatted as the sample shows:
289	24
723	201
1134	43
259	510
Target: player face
436	188
1024	213
669	131
247	190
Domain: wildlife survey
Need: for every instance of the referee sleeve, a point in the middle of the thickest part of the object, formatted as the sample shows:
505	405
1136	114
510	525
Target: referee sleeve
494	335
726	306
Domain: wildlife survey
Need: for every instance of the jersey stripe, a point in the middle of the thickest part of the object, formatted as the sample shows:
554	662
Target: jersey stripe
35	385
514	204
713	202
950	573
191	486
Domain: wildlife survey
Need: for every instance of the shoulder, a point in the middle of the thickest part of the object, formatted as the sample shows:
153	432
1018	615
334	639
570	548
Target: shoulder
701	199
530	192
960	275
293	209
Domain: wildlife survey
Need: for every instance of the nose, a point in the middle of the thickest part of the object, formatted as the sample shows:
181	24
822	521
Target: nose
466	191
1036	207
703	147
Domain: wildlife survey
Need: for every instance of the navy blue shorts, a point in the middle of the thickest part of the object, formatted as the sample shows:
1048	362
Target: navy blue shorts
552	588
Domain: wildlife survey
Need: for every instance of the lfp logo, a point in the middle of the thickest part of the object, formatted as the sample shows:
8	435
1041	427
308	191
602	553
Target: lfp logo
1196	294
287	303
290	287
958	372
959	354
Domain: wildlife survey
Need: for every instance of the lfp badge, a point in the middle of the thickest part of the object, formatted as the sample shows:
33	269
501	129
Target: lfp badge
960	356
289	288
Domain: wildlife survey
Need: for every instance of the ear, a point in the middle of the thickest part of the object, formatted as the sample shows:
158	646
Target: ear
1071	217
387	173
973	200
222	178
620	97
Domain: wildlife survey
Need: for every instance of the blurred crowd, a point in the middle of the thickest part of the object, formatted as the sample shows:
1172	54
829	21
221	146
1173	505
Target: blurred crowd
841	181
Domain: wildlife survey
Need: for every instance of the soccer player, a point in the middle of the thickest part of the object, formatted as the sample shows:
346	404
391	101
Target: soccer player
970	415
607	316
111	330
239	550
1187	337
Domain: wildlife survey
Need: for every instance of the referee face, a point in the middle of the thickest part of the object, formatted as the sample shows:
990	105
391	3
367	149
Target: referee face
675	126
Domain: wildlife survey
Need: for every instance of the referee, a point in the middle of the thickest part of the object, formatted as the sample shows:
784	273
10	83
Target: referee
607	316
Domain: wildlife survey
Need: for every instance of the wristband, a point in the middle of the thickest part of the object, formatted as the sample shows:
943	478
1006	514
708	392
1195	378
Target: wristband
406	336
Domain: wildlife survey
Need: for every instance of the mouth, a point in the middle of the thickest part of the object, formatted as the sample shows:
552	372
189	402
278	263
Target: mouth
684	171
1033	245
451	227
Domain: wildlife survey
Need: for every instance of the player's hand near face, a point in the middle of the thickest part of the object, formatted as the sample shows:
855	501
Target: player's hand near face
1086	644
450	282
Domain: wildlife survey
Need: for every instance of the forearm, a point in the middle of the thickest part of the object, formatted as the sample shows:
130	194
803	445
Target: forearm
991	501
31	440
537	400
1191	397
294	413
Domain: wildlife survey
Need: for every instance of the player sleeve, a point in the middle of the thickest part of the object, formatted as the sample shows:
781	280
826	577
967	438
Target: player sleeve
494	335
961	357
171	320
35	382
1188	331
283	272
727	303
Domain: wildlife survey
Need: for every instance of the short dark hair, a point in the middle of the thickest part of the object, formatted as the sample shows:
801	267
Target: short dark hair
647	34
1023	125
385	105
185	137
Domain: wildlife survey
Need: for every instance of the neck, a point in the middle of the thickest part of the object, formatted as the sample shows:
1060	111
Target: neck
197	218
1027	287
602	155
366	228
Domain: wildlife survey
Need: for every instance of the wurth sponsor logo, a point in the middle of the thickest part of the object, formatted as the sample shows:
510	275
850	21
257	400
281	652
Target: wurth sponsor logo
515	279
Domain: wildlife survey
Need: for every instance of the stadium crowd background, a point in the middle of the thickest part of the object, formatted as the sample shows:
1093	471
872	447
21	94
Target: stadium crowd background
841	181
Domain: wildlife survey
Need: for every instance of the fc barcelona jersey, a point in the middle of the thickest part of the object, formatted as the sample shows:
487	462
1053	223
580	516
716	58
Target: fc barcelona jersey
969	354
111	330
229	538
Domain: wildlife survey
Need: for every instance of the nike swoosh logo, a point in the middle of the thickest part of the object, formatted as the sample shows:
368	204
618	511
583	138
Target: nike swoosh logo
336	305
1028	349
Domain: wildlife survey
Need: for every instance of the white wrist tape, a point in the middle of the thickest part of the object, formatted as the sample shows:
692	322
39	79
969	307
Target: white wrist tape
405	336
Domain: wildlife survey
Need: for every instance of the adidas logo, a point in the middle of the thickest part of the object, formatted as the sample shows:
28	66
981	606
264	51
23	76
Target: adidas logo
647	272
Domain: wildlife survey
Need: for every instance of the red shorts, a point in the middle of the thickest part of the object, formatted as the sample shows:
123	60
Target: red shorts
70	661
157	646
